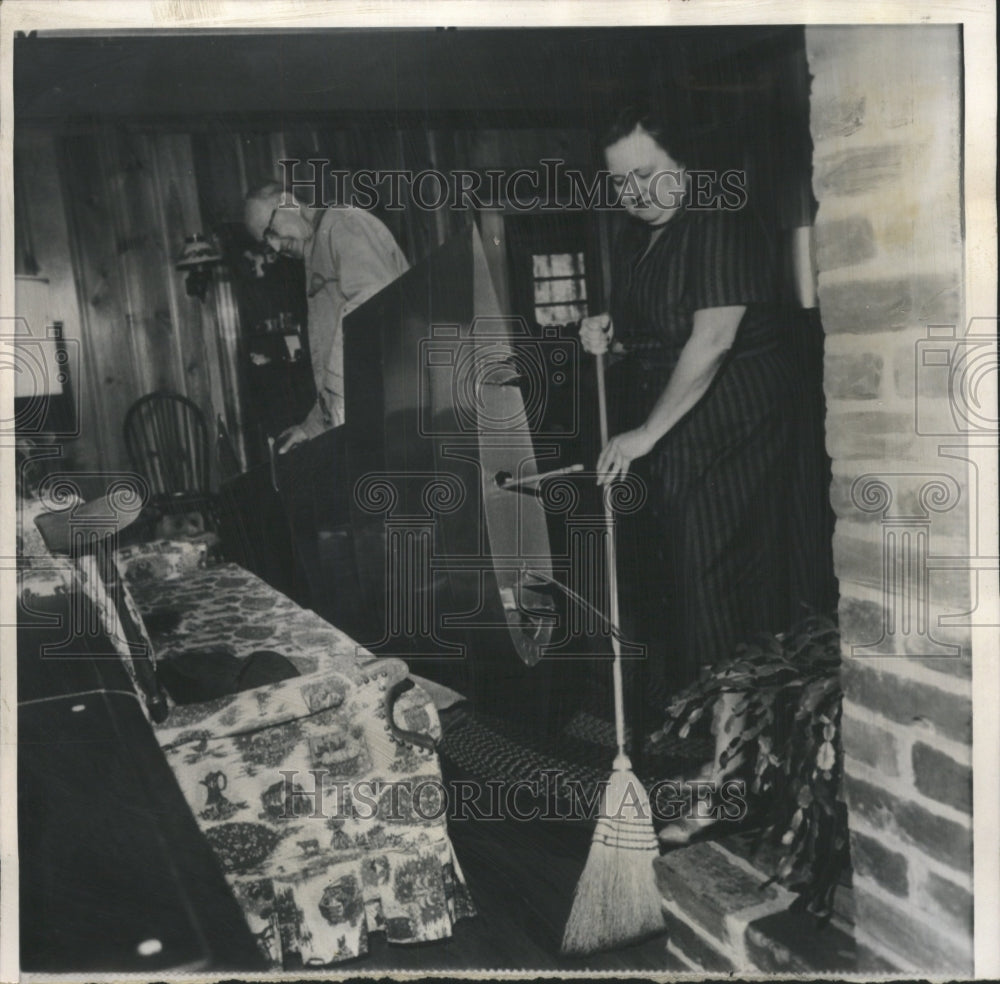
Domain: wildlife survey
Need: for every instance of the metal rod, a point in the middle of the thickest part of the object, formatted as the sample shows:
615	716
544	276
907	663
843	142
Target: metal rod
274	464
512	483
602	400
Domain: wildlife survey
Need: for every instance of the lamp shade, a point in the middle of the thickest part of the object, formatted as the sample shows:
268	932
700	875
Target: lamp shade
197	252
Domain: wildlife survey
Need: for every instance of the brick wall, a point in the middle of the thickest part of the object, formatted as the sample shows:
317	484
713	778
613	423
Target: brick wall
885	120
724	916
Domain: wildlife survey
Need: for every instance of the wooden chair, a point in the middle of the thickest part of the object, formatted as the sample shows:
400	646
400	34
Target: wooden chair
167	441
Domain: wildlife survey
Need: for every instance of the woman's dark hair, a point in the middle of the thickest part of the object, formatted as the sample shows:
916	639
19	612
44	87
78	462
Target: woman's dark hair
668	132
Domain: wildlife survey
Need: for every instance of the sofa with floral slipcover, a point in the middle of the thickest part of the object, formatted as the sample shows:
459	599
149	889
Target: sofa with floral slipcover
326	818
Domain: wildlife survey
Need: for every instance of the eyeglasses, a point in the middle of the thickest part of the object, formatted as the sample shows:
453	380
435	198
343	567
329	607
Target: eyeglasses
269	230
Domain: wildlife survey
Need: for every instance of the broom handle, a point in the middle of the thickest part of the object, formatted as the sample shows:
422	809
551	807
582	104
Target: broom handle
602	399
612	569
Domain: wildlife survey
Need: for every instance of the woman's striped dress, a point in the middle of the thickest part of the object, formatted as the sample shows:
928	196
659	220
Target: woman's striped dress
706	564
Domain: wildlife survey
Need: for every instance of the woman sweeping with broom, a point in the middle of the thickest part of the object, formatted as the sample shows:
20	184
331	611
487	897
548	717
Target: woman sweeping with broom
708	386
707	392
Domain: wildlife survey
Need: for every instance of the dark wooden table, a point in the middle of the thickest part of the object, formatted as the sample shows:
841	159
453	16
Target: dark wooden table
114	873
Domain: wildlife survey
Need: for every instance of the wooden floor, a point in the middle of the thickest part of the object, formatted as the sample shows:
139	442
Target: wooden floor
522	877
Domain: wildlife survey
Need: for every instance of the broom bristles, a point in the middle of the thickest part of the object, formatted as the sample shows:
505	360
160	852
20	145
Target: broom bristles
616	900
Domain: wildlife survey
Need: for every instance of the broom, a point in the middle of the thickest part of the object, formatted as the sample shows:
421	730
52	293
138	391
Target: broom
616	900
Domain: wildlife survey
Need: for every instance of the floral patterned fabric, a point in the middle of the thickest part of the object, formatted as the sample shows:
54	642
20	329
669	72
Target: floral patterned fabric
163	560
228	607
41	575
326	826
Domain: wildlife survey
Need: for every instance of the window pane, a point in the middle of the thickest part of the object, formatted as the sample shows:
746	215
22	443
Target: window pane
564	265
570	290
559	287
559	291
542	266
543	292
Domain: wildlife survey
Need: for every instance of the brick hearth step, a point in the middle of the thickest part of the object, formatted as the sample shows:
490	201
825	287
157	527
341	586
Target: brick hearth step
721	917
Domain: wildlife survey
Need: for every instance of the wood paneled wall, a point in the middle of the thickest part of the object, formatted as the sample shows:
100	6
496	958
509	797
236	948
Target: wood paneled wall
42	204
110	207
131	199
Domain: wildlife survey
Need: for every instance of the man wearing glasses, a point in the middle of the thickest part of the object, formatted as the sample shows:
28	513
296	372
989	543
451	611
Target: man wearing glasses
349	255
